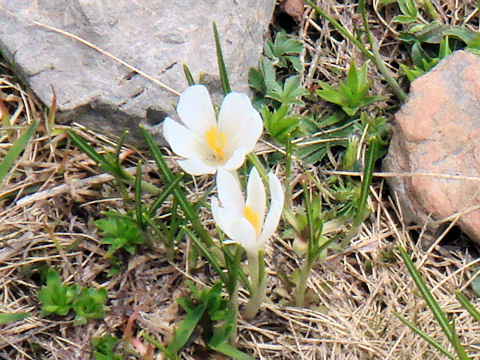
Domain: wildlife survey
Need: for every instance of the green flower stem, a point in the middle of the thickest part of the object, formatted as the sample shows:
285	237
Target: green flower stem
258	280
288	168
233	305
302	284
341	29
253	158
377	59
430	9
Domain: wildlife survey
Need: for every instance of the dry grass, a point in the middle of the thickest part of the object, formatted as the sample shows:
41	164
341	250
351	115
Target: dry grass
352	293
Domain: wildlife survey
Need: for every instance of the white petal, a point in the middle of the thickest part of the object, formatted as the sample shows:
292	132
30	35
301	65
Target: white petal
240	122
196	167
243	233
222	217
196	110
276	207
236	160
256	197
183	141
230	194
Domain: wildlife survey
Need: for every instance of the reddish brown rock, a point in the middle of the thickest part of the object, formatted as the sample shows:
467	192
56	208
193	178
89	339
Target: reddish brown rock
436	131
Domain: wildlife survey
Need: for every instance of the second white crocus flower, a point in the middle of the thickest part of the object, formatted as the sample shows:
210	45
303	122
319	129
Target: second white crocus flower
244	221
206	144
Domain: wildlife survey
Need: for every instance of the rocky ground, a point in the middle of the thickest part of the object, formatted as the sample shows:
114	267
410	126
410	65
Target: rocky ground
54	193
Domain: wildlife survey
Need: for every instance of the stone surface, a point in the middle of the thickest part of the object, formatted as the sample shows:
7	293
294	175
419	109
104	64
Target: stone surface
155	36
437	130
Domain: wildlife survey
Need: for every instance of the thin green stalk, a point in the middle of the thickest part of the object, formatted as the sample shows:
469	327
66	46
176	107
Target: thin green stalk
211	259
253	272
468	305
17	147
430	9
253	158
426	294
311	253
377	58
221	62
177	191
302	284
233	305
288	169
427	338
341	29
368	168
259	285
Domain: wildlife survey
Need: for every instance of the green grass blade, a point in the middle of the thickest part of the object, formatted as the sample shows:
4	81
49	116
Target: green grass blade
163	195
211	259
138	195
457	345
118	148
6	318
168	177
233	353
185	329
80	142
188	75
312	244
17	147
377	58
427	338
367	181
468	305
426	294
341	29
221	63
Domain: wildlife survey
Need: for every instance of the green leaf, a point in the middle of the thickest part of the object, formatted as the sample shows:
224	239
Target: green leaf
408	8
221	63
168	177
228	350
426	337
468	305
476	284
17	147
6	318
256	81
89	305
185	329
92	153
291	93
426	294
188	75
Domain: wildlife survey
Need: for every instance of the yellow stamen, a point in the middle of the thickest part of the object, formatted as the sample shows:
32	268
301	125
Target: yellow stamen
252	218
216	141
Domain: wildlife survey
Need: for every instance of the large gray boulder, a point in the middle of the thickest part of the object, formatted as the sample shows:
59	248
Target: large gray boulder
155	36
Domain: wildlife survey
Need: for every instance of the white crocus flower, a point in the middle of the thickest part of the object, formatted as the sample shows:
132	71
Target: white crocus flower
243	221
207	144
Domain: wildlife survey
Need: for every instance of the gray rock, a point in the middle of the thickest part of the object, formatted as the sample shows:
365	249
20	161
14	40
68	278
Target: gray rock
155	36
437	131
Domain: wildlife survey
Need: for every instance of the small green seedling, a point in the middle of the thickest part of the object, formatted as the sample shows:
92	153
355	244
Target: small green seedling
56	297
409	12
209	312
119	232
352	94
89	305
284	51
105	348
